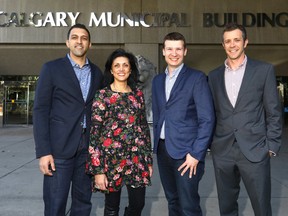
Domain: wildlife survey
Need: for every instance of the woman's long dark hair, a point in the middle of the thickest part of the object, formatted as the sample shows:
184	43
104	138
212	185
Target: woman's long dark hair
132	79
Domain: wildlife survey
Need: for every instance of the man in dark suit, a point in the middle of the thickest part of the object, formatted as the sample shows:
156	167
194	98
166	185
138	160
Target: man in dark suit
61	118
183	122
248	129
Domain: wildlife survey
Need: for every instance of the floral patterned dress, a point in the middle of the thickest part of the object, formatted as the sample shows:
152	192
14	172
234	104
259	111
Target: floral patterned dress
120	143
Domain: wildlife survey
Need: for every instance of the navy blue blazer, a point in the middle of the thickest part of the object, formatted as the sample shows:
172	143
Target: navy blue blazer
59	108
188	114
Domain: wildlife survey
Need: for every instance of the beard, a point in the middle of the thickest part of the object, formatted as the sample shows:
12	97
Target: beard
79	53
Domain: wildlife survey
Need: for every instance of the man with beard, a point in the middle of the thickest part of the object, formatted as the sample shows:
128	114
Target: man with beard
61	118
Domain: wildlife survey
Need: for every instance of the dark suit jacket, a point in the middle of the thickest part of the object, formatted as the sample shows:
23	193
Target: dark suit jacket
59	108
188	114
255	122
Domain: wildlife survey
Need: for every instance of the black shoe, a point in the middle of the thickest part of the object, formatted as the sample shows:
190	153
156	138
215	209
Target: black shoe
111	211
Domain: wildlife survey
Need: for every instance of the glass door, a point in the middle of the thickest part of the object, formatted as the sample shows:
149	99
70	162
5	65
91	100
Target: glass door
18	103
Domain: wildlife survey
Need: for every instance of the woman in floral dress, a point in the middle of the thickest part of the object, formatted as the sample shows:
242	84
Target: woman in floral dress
120	145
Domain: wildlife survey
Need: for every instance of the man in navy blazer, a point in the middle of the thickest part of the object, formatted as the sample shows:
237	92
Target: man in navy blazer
183	122
248	129
61	122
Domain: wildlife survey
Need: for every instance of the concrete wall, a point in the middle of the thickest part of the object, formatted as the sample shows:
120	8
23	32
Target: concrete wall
25	47
197	26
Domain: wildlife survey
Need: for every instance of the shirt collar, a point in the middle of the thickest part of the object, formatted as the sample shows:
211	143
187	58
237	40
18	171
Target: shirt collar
240	66
75	64
176	71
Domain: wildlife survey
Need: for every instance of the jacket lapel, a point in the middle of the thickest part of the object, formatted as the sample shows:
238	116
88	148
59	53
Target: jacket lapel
161	87
246	81
180	78
72	79
92	86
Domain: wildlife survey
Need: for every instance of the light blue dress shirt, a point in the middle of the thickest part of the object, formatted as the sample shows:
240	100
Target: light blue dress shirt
169	83
83	75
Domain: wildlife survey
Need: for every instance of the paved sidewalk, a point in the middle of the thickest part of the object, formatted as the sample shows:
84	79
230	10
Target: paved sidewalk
21	182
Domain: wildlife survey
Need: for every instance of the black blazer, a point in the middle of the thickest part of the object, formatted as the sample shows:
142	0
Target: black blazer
255	121
59	108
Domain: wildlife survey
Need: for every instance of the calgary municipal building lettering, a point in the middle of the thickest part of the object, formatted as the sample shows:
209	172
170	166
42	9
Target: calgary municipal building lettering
147	20
105	19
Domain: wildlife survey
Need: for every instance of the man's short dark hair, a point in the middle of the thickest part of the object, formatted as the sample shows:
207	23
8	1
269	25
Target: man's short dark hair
174	36
81	26
234	26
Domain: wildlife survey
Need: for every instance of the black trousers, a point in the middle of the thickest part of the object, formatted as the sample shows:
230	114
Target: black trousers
136	197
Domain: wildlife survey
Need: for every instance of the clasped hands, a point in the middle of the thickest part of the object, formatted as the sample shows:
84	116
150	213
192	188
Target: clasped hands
101	181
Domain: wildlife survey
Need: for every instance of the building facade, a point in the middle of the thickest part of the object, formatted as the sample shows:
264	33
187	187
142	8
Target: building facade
33	32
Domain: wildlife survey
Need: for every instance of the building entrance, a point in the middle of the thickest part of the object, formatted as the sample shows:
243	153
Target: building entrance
18	98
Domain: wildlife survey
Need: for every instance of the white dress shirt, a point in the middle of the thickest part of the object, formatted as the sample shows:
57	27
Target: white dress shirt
233	80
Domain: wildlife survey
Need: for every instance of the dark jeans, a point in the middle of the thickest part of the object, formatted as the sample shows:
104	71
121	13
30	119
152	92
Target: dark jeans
56	187
136	198
181	191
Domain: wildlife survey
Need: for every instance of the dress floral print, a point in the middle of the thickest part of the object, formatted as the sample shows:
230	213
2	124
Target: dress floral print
120	144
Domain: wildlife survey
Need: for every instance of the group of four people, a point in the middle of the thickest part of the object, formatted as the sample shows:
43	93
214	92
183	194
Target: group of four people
91	132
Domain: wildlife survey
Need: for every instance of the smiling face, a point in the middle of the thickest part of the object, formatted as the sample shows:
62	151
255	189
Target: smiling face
234	45
174	52
78	43
121	69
